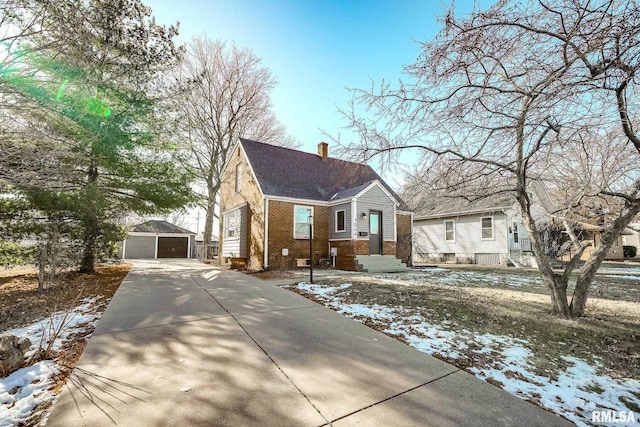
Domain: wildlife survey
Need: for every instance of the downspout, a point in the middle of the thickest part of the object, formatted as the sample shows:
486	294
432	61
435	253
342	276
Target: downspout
265	260
395	226
354	220
507	222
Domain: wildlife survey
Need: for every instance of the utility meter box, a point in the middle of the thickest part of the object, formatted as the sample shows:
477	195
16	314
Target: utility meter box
334	251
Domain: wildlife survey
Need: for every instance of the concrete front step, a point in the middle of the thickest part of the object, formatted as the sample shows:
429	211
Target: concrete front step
380	264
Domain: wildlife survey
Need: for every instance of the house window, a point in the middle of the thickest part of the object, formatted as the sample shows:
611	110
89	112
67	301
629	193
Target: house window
340	223
487	228
449	231
515	232
232	224
301	216
238	177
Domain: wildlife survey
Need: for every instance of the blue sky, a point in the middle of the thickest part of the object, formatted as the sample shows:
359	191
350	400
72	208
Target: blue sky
316	48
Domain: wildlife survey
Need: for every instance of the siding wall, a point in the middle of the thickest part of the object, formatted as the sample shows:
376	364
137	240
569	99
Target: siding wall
376	199
429	241
236	247
346	235
253	233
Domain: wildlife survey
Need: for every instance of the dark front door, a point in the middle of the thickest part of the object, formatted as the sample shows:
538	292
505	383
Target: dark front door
172	247
375	233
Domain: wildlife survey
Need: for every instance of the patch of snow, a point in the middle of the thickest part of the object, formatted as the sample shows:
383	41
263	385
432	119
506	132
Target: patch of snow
40	333
321	290
25	389
621	276
575	394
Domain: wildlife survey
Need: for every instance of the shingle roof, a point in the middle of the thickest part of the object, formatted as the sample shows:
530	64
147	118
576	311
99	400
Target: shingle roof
292	173
443	207
156	226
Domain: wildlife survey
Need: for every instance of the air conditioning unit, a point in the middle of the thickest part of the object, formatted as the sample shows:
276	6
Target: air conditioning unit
303	262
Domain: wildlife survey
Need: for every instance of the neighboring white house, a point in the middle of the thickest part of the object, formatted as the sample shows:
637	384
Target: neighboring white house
483	231
632	237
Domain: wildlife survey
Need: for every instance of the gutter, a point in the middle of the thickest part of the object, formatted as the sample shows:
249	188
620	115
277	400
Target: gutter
461	213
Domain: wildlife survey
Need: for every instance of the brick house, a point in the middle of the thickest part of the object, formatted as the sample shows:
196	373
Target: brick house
268	193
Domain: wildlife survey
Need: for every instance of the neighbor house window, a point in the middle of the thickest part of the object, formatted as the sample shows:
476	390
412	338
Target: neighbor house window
487	228
301	216
232	222
516	236
238	177
340	224
449	231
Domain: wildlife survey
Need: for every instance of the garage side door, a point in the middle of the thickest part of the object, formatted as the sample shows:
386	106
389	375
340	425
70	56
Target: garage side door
140	247
172	247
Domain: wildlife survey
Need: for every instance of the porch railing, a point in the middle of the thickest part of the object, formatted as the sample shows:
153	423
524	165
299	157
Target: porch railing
523	244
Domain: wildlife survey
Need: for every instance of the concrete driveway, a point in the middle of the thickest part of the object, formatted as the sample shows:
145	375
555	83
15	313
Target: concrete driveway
183	343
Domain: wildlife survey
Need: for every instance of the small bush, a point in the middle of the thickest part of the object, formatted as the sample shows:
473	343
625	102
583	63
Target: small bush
13	253
629	251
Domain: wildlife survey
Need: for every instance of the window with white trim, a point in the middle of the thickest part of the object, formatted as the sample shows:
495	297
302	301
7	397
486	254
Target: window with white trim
232	223
487	227
449	231
340	221
301	216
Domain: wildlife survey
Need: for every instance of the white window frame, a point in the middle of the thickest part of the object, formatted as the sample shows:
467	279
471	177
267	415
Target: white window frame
453	230
344	222
238	178
237	213
482	228
306	236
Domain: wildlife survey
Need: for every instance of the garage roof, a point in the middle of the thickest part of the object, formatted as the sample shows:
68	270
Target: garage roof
156	226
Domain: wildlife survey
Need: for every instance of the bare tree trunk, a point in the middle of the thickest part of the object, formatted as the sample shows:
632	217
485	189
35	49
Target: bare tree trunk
90	227
210	215
41	268
556	283
588	272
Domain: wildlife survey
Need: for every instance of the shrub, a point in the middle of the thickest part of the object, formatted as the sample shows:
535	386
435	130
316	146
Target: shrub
13	253
629	251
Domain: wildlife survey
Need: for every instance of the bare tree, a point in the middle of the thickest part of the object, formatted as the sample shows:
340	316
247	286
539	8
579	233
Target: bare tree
228	96
526	91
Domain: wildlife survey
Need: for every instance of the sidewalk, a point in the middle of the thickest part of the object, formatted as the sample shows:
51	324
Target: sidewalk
185	344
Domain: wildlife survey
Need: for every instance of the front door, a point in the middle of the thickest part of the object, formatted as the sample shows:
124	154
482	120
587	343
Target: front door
375	233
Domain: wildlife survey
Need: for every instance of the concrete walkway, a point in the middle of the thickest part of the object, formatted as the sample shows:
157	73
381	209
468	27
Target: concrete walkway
184	344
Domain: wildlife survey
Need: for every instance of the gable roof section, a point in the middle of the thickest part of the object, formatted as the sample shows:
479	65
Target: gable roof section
285	172
156	226
446	207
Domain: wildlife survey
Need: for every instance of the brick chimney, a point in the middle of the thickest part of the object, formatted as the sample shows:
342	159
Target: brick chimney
323	150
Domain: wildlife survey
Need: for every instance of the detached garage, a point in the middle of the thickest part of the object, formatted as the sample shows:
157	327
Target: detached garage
157	239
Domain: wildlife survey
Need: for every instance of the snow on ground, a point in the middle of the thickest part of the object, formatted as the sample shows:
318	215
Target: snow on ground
22	391
576	392
618	285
